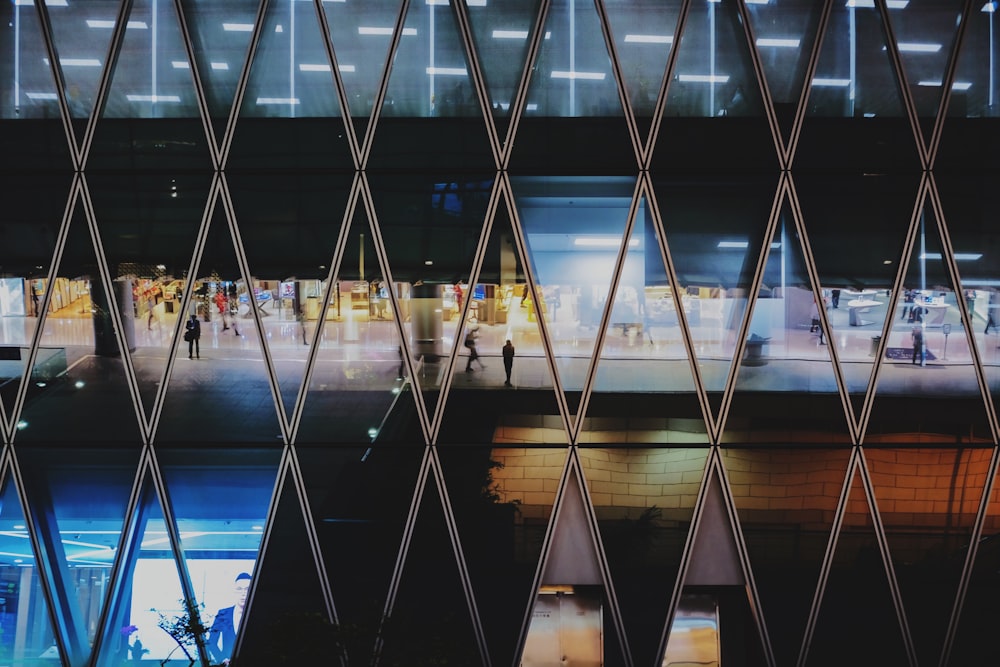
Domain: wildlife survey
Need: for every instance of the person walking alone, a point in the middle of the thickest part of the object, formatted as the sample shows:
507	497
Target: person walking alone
192	334
470	342
508	361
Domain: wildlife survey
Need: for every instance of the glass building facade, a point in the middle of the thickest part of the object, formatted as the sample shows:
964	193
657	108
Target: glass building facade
499	332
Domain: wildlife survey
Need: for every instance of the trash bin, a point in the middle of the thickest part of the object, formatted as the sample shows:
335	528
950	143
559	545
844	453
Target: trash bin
875	341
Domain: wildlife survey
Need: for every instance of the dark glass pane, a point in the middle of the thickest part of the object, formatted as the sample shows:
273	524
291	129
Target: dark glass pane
785	500
868	213
78	501
504	311
149	227
928	500
856	601
289	620
714	225
28	637
78	371
222	385
787	358
359	501
429	622
644	503
289	225
29	229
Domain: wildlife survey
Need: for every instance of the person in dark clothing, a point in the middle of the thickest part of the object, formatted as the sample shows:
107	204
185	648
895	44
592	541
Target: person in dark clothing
470	342
192	334
918	345
508	360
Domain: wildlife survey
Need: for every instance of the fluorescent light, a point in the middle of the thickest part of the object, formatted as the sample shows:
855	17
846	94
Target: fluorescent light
918	47
220	66
41	96
870	4
589	76
475	3
96	23
827	82
372	30
602	242
734	244
648	39
153	98
990	7
180	64
957	85
447	71
79	62
439	3
314	67
237	27
48	3
757	2
778	42
703	78
531	107
959	256
346	68
277	100
510	34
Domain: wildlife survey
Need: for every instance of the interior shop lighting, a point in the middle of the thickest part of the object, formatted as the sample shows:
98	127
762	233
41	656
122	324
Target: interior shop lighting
237	27
220	67
958	85
703	78
78	62
374	30
447	71
583	76
21	425
633	38
41	96
918	47
101	23
959	256
264	101
830	82
734	244
602	242
870	4
48	3
180	64
510	34
778	42
153	98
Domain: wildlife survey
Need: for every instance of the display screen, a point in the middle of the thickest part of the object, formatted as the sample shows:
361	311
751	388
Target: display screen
479	293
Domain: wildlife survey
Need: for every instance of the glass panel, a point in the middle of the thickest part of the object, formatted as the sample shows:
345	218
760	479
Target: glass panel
644	353
151	595
28	637
787	360
151	117
83	33
295	624
78	372
968	203
854	79
359	389
503	500
227	392
714	228
503	310
572	78
29	228
220	505
714	79
359	501
574	229
926	40
973	639
785	500
856	600
361	34
968	136
220	38
430	79
644	503
431	263
644	36
928	499
149	225
430	622
290	78
927	383
869	215
502	32
784	35
78	500
289	225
